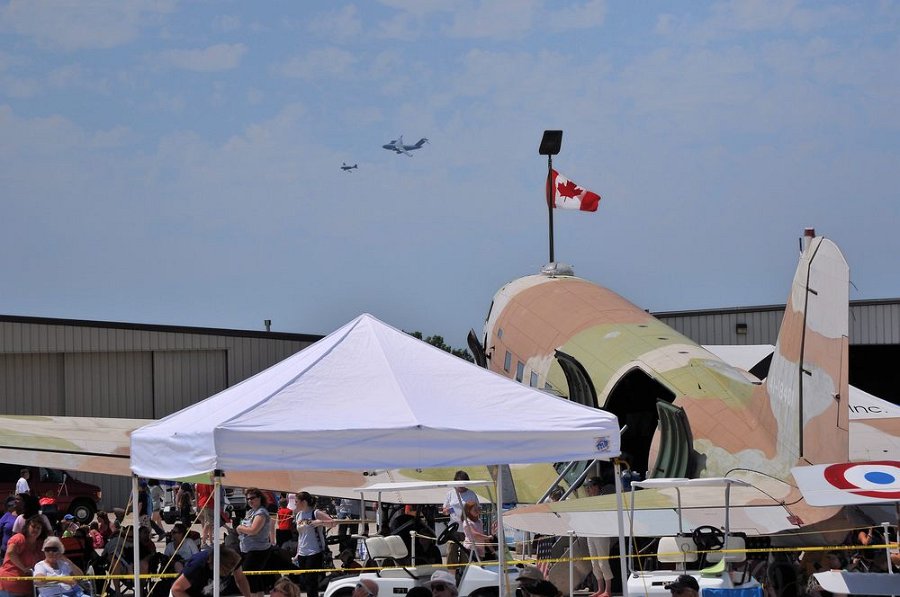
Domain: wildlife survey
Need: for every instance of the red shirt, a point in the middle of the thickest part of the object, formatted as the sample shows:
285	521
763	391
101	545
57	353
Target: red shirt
285	518
204	495
30	555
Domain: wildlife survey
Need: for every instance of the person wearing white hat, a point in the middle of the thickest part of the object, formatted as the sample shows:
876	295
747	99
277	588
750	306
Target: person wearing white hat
442	584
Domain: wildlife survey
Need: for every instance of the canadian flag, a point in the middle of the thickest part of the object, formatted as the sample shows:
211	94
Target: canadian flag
565	194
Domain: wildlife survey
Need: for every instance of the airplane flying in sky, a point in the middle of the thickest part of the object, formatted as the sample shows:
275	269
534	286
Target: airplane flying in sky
347	168
689	413
396	145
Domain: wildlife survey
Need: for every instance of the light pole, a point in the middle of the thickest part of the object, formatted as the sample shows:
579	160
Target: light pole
551	143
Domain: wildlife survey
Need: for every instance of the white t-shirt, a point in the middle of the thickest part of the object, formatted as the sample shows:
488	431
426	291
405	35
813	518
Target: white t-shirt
455	502
22	486
187	549
42	568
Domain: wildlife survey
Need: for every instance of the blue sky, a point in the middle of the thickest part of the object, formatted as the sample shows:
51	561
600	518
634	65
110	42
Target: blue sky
178	163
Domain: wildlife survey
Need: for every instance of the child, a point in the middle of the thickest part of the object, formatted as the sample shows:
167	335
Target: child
285	519
97	539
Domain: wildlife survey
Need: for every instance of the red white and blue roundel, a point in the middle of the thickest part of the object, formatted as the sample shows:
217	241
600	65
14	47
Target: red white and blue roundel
849	482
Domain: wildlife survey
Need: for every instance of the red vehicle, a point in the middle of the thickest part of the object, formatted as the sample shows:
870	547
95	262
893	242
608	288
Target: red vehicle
68	494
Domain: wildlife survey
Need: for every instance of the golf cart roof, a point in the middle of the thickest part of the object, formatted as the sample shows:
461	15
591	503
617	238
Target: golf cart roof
419	485
679	483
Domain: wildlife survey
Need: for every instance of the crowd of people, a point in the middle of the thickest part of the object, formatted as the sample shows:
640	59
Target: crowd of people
277	533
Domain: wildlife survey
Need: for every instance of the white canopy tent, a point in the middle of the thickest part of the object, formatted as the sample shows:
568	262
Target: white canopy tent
369	396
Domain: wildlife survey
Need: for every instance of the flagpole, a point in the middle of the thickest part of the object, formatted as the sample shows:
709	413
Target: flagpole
550	201
551	143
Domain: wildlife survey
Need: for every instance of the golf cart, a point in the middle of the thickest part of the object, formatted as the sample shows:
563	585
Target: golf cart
712	555
477	580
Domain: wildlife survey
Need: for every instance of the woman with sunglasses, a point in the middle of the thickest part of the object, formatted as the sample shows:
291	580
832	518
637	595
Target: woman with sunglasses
22	552
53	565
311	544
255	535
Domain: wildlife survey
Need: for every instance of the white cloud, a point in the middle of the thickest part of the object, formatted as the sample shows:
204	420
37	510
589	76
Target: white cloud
19	87
227	23
174	103
585	16
212	59
323	62
81	24
255	96
494	19
339	25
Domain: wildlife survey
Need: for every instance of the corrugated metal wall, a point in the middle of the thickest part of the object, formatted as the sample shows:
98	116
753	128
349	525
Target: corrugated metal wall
871	322
76	368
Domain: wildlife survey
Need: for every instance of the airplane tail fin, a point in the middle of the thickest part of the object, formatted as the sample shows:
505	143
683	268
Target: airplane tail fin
807	381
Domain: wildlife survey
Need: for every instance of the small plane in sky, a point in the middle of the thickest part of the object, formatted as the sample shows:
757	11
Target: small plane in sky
347	168
396	145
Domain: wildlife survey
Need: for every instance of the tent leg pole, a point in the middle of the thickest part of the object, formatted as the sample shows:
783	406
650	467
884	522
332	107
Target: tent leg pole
571	563
217	509
623	567
501	537
135	527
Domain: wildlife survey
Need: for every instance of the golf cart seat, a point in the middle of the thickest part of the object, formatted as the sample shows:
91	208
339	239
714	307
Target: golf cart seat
388	551
379	550
677	550
734	542
399	553
397	548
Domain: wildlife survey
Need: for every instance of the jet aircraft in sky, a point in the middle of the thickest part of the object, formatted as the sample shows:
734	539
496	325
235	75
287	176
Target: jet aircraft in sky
397	146
347	168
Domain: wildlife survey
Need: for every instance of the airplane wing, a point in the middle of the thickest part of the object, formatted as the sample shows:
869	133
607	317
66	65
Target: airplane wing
753	512
841	582
103	445
90	444
848	483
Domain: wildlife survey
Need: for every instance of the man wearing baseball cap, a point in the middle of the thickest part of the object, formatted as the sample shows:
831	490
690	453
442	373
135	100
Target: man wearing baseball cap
684	586
533	584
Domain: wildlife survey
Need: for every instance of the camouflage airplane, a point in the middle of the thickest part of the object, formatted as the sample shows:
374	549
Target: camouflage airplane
347	168
689	413
397	146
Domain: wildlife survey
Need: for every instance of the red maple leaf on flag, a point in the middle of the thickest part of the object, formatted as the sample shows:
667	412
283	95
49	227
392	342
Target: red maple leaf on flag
569	189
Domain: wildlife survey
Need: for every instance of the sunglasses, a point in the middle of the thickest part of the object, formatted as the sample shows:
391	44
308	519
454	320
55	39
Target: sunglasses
359	585
438	586
51	550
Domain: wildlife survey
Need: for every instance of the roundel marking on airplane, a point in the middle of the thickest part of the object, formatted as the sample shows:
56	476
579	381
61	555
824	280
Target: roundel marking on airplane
877	479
